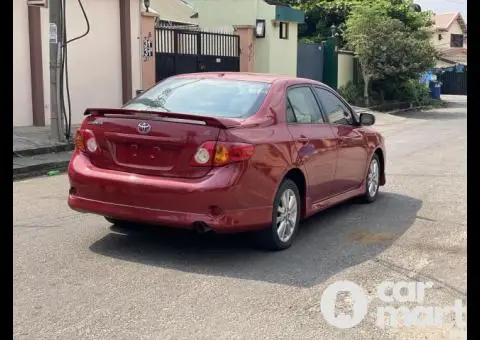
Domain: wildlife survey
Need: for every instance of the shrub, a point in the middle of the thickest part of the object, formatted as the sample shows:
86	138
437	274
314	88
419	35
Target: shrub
352	93
387	91
415	92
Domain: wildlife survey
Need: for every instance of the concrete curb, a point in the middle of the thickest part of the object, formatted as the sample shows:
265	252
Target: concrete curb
38	170
38	165
417	108
393	112
44	150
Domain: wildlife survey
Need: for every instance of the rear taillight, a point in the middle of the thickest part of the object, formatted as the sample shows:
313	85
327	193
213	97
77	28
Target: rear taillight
79	145
222	153
85	141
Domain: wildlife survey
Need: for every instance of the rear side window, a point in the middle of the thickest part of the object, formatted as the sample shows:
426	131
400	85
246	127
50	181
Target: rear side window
209	97
302	107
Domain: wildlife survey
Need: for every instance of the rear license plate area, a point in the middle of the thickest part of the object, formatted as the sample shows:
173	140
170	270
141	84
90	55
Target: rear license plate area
147	155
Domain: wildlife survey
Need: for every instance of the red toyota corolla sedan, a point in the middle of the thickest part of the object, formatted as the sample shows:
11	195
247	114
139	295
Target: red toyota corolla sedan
227	152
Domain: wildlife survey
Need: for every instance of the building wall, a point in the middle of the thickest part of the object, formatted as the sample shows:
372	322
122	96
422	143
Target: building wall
283	52
233	12
173	10
272	55
22	90
263	45
94	61
345	68
240	12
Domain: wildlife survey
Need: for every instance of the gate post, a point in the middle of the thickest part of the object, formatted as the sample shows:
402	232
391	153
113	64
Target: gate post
330	66
148	37
247	50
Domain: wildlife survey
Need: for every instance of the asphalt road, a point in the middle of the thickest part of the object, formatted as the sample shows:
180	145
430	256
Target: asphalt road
77	278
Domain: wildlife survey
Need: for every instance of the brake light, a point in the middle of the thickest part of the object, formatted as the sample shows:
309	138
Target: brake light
85	141
222	153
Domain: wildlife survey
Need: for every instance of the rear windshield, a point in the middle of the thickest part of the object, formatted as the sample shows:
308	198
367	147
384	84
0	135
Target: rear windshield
206	97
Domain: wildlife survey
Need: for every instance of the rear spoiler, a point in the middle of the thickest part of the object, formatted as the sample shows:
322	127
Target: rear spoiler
223	123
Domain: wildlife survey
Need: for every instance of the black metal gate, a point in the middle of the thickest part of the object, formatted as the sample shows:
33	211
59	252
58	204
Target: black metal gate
310	59
454	82
189	50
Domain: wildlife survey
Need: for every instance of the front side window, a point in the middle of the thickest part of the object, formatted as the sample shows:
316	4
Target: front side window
337	112
302	106
203	96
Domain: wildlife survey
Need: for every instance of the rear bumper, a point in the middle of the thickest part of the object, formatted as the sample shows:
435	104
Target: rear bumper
215	200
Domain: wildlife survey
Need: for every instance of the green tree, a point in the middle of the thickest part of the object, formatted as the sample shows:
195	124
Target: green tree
386	47
322	14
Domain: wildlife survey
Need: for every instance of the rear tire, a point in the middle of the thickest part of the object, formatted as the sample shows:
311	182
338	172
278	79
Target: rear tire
285	218
372	181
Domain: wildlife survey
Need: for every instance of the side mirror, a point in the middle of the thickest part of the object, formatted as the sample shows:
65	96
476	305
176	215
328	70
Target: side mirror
139	92
367	119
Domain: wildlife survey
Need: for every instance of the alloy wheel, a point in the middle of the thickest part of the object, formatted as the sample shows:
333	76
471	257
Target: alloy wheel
373	177
287	215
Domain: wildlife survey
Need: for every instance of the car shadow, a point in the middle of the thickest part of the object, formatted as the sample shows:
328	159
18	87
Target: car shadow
329	242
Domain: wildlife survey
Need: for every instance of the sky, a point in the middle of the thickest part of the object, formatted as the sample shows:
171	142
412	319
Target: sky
439	6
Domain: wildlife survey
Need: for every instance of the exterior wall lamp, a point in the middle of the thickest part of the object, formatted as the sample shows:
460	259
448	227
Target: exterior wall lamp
147	4
260	28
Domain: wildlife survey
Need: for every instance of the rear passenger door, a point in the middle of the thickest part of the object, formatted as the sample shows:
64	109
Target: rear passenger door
314	140
352	151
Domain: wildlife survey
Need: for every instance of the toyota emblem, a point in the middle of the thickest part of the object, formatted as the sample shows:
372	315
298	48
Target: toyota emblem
144	128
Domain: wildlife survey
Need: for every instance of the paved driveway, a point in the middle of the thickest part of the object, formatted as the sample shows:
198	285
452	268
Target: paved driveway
77	278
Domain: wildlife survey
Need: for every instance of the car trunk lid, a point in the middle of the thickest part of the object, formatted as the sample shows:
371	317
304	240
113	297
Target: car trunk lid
152	143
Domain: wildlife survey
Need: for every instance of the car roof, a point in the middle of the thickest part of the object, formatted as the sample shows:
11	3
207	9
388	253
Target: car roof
247	76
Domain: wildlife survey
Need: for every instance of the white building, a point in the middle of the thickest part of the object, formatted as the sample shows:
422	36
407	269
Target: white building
104	67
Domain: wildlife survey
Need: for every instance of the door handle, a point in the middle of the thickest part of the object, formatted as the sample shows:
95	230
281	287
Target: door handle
303	139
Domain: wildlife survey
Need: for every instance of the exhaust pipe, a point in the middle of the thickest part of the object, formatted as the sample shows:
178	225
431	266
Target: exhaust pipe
201	227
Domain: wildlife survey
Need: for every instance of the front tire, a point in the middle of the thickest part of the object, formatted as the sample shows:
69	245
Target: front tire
285	218
372	180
